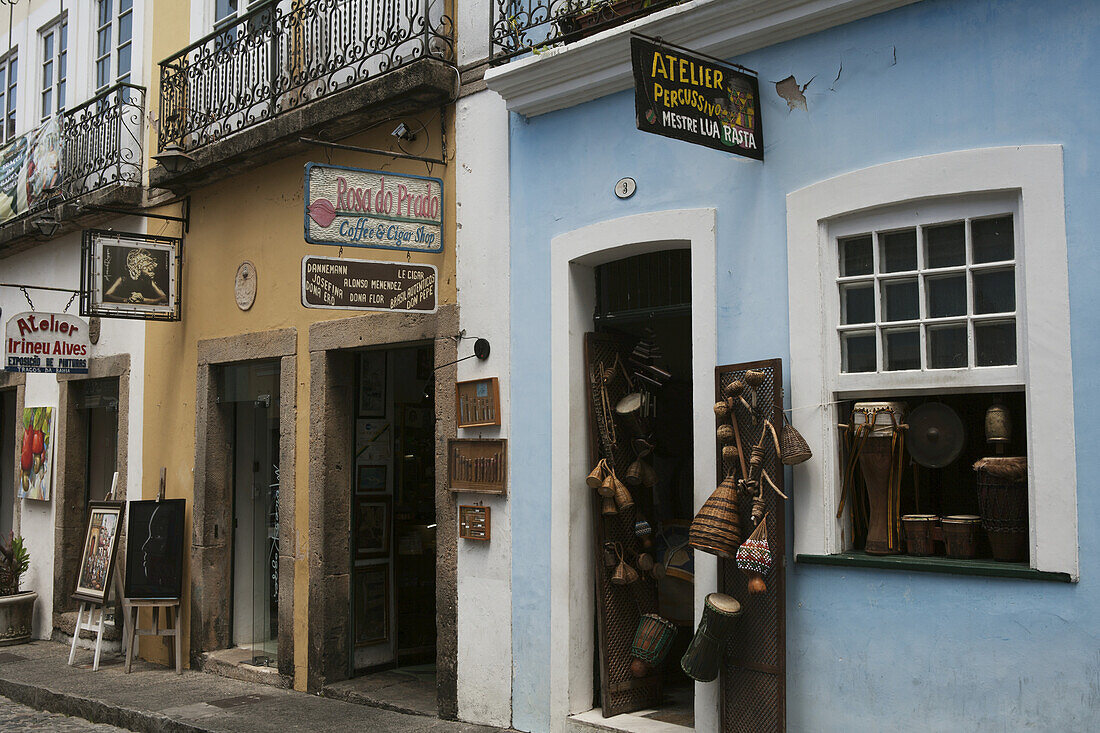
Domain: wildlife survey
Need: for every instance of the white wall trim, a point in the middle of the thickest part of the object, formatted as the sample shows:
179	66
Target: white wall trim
1034	174
600	65
573	256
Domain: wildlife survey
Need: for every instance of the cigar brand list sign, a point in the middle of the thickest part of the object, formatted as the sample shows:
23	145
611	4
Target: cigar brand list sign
684	96
46	342
355	207
330	282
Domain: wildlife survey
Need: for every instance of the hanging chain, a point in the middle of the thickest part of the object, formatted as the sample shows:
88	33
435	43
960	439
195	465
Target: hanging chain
28	297
71	299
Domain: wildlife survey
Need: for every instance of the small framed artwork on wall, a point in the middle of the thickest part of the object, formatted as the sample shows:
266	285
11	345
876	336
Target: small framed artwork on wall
477	402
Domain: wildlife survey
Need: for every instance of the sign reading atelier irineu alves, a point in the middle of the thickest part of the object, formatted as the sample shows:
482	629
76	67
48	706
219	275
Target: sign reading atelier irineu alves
331	282
686	97
46	342
355	207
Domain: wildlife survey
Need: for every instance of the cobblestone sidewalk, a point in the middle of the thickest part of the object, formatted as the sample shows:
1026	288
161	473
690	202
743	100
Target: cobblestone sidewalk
15	718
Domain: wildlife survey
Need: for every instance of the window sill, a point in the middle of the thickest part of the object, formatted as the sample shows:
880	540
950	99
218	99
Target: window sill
947	565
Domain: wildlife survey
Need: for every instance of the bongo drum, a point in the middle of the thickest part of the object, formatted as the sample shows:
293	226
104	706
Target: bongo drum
877	456
704	653
961	534
652	641
919	537
629	413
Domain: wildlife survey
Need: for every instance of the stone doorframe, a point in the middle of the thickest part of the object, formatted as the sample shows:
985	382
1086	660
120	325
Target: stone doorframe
70	486
332	378
16	381
212	511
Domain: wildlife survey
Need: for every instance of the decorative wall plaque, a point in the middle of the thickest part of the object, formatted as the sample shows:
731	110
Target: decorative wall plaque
244	285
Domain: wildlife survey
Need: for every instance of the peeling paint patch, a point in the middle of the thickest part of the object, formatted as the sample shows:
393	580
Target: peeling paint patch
789	90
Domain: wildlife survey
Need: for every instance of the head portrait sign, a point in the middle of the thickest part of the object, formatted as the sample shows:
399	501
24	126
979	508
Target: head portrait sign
697	99
154	549
130	275
355	207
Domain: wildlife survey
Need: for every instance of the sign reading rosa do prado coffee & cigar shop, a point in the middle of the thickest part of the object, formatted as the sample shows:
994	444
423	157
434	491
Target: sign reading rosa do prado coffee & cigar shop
355	207
46	342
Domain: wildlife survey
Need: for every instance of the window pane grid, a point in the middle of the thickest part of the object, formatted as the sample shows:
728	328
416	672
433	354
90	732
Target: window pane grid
919	322
54	50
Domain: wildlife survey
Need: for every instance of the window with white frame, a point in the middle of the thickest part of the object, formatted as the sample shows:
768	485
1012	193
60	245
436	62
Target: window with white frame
113	42
930	287
54	45
942	277
9	75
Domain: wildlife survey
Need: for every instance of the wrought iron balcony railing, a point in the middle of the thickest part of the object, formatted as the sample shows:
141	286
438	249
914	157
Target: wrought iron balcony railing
101	141
517	27
289	53
87	149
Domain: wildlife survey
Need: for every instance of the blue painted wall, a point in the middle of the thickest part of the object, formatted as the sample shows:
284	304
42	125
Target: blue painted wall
867	650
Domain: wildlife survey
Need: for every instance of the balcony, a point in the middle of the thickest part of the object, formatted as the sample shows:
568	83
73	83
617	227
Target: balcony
244	94
524	26
99	163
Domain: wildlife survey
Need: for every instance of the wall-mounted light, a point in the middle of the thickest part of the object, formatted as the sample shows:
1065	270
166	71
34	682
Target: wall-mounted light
173	158
47	225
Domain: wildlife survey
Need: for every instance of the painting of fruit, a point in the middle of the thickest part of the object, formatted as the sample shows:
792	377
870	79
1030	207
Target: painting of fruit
36	454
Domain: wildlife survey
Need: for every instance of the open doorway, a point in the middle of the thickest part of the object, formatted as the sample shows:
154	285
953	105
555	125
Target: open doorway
640	379
393	528
251	391
7	461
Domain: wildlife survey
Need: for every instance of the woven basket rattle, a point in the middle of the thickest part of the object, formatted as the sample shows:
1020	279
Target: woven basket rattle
754	557
793	448
717	527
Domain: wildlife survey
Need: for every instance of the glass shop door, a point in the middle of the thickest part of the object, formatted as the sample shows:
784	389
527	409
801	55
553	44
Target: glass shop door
253	391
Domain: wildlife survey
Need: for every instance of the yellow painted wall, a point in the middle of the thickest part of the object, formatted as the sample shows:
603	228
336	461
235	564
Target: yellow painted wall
256	216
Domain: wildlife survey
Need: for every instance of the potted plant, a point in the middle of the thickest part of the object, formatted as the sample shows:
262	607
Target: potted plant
16	609
586	16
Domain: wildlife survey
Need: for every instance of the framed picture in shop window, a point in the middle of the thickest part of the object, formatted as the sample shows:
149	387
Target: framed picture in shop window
372	384
372	528
372	604
370	479
97	560
130	275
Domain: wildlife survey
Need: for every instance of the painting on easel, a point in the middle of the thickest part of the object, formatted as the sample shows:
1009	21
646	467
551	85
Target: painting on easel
154	549
100	545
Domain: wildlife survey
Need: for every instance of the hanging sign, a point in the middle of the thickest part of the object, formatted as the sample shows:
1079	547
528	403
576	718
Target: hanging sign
46	342
354	207
130	275
30	170
366	285
685	96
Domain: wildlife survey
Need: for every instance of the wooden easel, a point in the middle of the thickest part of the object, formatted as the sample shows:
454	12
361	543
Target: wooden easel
171	608
96	626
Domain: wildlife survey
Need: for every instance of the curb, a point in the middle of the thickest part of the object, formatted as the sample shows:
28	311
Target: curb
95	711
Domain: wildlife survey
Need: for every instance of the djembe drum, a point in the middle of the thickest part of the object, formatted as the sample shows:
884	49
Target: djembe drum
704	653
879	453
652	641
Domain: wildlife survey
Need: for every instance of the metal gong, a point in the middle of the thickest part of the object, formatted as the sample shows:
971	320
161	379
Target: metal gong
936	435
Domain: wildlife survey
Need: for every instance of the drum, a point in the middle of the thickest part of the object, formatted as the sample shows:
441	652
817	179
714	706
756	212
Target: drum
1002	496
876	462
961	535
652	641
630	412
919	535
704	654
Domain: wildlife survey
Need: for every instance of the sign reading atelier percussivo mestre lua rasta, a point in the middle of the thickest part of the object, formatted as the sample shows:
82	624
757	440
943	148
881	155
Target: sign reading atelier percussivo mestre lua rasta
683	96
354	207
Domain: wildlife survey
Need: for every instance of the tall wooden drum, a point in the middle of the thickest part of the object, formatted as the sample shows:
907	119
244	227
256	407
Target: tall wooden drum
877	459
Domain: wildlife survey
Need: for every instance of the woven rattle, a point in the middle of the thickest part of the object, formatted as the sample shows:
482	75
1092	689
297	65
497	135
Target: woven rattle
754	557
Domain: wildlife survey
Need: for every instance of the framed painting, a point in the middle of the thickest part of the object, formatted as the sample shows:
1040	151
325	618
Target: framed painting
372	384
370	479
372	528
154	549
36	455
97	561
372	604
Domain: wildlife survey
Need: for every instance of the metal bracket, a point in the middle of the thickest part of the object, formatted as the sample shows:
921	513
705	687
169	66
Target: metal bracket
185	219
